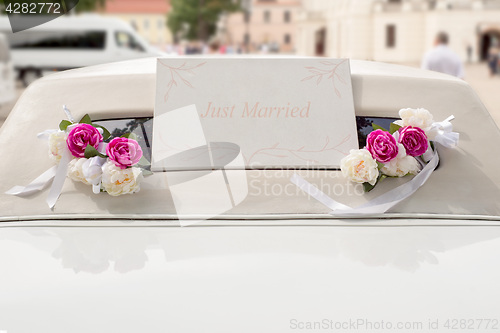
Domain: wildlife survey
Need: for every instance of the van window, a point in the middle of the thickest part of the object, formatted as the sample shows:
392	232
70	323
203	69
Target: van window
126	40
59	39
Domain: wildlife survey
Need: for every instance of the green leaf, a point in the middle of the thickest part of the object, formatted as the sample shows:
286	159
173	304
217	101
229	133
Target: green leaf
130	136
394	128
143	162
63	125
105	132
146	173
376	127
368	187
91	152
86	120
380	165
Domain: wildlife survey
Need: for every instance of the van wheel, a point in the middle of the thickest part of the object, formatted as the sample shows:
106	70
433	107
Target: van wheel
30	75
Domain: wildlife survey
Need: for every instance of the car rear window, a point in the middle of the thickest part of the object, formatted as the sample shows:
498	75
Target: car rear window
142	127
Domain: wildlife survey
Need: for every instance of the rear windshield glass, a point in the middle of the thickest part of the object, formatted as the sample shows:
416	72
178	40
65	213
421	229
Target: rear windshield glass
365	126
143	129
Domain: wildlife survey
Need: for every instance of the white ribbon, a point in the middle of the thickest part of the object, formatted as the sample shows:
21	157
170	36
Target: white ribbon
60	177
36	185
68	114
442	132
56	173
92	171
380	204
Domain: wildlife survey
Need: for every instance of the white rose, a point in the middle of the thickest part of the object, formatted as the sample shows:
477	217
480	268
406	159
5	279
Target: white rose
415	117
57	143
75	170
92	169
118	181
401	165
360	167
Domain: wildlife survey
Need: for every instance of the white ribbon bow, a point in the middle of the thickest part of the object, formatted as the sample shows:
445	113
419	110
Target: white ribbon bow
55	173
442	132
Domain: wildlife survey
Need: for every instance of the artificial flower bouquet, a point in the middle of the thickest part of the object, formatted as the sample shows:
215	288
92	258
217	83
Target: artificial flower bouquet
115	167
400	151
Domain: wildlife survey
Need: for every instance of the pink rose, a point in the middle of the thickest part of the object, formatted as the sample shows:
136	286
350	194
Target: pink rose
382	146
414	140
81	136
124	152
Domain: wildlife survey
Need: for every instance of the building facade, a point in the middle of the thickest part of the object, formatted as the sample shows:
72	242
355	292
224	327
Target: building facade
396	30
266	25
148	17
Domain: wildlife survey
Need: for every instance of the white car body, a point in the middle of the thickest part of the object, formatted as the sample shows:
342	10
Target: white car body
275	263
42	59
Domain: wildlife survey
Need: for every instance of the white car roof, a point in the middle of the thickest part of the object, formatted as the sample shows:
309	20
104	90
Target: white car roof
75	22
465	185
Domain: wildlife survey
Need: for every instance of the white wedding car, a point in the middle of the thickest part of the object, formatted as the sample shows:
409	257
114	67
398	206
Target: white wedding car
277	262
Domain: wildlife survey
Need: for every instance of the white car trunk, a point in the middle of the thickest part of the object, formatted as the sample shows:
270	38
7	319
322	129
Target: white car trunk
130	278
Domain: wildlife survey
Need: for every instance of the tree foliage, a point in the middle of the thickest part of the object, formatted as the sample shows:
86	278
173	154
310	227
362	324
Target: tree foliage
197	19
89	5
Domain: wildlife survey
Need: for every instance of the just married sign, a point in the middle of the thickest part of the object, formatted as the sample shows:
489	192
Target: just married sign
278	112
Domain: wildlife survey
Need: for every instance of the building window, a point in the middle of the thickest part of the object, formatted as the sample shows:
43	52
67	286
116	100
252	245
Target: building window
390	36
287	39
246	38
146	24
133	24
267	16
160	24
247	16
286	16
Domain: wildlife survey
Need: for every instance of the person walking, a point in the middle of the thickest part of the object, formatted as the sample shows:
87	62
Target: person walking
493	60
442	59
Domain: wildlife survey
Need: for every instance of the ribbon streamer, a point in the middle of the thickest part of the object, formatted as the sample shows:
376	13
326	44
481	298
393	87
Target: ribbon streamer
60	177
36	185
56	174
379	205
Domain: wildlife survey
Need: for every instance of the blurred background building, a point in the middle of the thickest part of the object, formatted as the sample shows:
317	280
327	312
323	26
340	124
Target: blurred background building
396	30
148	17
263	26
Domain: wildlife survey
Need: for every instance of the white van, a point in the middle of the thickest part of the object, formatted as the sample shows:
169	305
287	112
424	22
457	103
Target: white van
71	42
7	76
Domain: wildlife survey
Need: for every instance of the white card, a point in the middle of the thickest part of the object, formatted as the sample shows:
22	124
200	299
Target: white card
282	113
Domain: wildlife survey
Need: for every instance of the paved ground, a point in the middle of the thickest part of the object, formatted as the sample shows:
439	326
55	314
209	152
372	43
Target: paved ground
488	88
477	76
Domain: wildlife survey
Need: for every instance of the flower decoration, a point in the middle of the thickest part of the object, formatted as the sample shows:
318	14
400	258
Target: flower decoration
396	152
116	167
360	167
57	143
420	118
117	181
382	145
80	137
414	140
124	152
